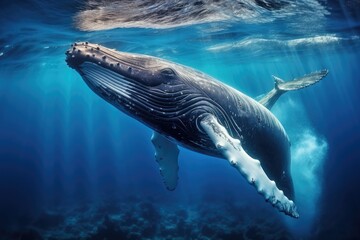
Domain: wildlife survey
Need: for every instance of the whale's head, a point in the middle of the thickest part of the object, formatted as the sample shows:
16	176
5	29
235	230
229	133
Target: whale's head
124	67
144	87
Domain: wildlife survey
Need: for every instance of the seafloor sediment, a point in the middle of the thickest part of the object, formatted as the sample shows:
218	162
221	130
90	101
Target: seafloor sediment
138	219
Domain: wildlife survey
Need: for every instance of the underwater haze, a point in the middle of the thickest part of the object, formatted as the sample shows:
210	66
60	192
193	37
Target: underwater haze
74	167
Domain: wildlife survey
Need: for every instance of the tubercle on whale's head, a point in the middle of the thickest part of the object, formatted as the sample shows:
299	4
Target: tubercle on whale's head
80	52
147	70
75	55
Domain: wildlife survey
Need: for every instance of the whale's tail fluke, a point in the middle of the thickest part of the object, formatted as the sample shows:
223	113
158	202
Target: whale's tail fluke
282	87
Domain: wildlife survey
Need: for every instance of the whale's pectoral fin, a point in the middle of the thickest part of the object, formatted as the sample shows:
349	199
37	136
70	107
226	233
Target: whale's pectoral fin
282	87
250	168
166	154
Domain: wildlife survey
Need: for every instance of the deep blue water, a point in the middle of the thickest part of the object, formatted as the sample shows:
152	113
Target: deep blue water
74	167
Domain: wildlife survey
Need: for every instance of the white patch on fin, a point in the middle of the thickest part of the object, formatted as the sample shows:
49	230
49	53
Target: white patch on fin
250	168
166	154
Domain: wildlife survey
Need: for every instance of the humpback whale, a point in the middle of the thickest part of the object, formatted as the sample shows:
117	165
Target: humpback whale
189	108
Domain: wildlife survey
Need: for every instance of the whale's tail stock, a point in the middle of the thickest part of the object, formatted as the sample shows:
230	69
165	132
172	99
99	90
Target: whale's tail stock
282	86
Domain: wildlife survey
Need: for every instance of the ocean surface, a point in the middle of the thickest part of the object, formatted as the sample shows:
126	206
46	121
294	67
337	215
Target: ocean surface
74	167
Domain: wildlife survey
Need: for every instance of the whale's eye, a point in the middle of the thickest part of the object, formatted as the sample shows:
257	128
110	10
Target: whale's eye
168	72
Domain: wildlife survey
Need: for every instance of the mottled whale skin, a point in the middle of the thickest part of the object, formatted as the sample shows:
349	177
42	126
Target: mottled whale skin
172	99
